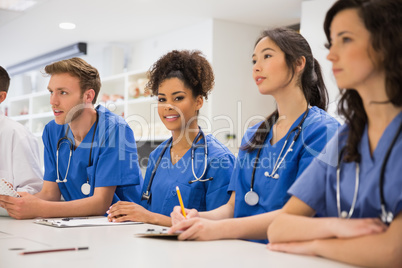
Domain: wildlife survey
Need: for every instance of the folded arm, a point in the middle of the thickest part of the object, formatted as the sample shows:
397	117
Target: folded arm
365	242
296	224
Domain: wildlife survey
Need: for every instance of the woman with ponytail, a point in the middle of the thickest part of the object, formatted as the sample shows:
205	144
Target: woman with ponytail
275	151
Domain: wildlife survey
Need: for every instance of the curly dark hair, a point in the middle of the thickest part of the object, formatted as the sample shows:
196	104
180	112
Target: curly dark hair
382	18
311	82
191	67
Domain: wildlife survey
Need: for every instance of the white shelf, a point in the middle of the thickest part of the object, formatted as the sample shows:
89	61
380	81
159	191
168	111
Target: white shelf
21	117
117	90
43	115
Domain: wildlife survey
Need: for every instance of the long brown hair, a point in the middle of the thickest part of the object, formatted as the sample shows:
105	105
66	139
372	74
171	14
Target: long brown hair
294	46
382	18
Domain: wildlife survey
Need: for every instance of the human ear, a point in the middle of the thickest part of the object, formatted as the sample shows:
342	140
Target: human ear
199	102
300	64
89	95
3	96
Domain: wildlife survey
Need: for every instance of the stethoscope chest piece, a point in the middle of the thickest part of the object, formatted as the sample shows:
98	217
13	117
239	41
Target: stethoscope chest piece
387	217
344	214
251	198
86	188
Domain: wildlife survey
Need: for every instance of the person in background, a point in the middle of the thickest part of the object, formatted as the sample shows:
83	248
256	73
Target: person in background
275	151
357	189
89	151
181	80
19	158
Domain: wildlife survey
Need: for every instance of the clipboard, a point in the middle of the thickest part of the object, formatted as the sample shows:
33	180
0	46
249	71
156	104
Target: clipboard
158	233
80	222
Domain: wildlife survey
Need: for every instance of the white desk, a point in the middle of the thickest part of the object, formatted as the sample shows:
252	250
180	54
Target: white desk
116	246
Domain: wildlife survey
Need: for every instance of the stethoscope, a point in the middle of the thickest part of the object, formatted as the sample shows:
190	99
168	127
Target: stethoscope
385	216
86	187
251	197
147	194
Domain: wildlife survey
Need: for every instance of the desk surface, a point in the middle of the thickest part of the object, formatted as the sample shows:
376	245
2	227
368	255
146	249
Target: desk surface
117	246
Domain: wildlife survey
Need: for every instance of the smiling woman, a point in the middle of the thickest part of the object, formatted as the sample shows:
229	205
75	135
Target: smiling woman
196	162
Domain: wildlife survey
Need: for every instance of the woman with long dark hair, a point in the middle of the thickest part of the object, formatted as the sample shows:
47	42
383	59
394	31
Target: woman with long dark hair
275	151
357	190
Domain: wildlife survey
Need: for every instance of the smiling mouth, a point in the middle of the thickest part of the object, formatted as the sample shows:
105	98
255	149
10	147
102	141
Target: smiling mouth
171	116
259	80
57	112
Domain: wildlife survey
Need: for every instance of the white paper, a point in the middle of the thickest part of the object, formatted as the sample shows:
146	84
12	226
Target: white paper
81	222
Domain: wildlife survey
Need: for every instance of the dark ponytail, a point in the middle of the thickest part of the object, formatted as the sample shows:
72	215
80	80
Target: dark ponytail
310	81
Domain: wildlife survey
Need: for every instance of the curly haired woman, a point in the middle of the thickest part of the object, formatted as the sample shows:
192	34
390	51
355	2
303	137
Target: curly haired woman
181	80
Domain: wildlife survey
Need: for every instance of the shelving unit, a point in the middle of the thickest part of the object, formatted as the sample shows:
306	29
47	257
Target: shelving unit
122	94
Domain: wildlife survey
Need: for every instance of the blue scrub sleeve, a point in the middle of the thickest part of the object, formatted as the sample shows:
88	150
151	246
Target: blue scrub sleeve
118	160
49	157
220	169
314	138
311	185
235	175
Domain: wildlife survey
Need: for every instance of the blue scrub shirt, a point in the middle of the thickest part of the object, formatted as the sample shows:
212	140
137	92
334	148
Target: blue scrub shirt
317	185
317	129
202	196
114	159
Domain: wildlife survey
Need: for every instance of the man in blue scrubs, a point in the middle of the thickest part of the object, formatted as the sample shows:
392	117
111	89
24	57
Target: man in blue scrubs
88	154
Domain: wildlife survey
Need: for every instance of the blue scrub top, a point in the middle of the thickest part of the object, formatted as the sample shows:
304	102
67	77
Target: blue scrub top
114	159
202	196
317	129
317	185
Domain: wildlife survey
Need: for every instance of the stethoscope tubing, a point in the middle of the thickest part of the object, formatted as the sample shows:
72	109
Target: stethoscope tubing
146	194
386	217
298	130
66	138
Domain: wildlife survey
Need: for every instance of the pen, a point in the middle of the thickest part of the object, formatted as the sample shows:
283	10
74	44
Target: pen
78	218
181	202
53	250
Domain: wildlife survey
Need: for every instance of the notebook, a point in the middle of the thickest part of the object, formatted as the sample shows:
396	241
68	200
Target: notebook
7	189
80	222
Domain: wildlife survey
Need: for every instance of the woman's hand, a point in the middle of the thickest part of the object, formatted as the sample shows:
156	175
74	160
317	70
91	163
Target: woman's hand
304	248
346	228
128	211
177	215
197	229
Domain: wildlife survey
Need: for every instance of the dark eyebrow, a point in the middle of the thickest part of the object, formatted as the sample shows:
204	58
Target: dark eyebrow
60	88
265	49
174	93
344	32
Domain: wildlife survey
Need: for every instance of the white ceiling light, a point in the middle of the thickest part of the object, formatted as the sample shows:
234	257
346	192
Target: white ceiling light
67	25
16	5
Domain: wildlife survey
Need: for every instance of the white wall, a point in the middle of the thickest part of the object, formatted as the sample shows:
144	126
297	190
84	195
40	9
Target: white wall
146	52
236	96
228	46
311	27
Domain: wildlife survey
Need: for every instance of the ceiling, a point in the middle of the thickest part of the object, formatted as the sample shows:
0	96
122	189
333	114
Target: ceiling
27	34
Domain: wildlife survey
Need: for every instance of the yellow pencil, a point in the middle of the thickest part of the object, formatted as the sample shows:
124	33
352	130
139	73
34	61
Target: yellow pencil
181	202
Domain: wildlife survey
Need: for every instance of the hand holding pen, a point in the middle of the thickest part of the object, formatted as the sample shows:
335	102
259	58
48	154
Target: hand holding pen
177	214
